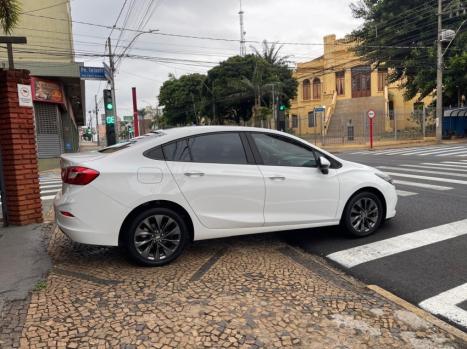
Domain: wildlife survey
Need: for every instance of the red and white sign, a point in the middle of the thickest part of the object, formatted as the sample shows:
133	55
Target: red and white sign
371	113
24	95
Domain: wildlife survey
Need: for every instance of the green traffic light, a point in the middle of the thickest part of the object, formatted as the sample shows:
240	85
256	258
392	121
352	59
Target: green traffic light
109	106
282	107
110	120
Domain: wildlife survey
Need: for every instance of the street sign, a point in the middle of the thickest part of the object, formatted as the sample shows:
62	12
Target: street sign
128	118
107	72
320	109
371	115
24	95
92	73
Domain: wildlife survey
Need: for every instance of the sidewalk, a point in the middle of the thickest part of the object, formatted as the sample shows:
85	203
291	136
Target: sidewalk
338	148
246	292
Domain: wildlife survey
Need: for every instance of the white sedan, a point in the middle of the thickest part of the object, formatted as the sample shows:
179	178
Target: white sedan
157	193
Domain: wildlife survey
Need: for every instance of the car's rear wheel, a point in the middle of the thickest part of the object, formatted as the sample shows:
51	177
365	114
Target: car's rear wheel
362	214
156	237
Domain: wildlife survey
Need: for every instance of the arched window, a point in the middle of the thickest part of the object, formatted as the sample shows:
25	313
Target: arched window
316	88
306	90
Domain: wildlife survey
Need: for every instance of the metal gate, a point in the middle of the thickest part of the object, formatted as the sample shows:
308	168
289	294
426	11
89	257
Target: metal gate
48	130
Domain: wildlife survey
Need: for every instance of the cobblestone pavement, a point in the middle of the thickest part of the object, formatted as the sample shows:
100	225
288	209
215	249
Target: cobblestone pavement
248	292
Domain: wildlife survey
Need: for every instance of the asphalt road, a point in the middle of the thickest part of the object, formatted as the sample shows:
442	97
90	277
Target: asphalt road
425	264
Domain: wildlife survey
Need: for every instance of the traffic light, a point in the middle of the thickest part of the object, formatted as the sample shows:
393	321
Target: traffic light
109	117
280	115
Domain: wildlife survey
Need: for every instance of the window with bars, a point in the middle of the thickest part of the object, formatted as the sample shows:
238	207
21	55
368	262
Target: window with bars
294	121
340	82
306	89
311	119
316	88
382	79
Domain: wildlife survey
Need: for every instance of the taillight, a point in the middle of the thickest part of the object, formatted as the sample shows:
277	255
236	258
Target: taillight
78	175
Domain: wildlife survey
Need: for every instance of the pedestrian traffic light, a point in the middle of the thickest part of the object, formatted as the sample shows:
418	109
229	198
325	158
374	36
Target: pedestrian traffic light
282	107
109	118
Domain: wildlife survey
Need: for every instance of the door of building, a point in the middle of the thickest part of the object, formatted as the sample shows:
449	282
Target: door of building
361	81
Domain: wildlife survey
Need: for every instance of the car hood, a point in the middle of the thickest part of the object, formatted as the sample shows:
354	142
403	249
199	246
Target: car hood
350	165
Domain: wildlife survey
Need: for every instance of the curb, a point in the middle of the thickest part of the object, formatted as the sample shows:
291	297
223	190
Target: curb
419	312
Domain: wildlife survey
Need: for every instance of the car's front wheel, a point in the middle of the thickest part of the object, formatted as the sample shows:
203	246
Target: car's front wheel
362	215
156	237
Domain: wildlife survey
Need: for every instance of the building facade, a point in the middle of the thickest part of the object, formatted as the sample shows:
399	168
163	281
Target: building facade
337	89
57	90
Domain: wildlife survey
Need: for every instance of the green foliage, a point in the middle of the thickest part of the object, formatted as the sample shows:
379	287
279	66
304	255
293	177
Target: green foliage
233	91
40	285
401	35
9	15
182	98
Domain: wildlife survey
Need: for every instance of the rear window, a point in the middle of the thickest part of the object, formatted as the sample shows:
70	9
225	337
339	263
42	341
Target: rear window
123	145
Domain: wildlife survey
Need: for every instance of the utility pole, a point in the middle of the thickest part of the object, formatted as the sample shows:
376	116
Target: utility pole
135	113
439	76
112	85
96	110
242	32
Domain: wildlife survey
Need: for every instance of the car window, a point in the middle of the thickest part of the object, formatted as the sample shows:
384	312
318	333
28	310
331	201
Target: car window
177	151
280	151
221	148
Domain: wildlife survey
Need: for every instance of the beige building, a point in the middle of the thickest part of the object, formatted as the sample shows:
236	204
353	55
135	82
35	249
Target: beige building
346	88
58	91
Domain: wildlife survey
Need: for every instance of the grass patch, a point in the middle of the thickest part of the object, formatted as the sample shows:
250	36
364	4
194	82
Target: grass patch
40	285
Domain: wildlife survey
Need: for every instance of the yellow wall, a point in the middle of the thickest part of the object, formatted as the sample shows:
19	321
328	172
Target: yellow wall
45	35
337	57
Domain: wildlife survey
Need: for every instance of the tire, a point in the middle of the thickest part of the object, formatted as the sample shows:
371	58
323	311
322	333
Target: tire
156	237
363	214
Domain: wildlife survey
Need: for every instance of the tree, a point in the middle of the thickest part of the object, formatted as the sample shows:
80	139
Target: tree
401	35
9	15
240	86
271	53
182	99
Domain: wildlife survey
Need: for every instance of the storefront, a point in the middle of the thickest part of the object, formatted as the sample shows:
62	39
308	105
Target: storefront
56	123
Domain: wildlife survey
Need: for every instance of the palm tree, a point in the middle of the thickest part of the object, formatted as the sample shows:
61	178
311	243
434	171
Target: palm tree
9	15
270	53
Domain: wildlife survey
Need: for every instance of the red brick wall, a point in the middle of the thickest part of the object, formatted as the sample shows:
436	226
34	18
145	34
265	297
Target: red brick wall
18	151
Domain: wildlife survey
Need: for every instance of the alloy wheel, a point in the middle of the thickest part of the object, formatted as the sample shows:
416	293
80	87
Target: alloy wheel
157	237
364	215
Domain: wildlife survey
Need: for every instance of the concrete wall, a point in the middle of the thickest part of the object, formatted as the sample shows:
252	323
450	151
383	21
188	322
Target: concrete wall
44	34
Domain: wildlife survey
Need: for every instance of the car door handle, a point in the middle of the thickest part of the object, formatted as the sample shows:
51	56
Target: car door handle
277	178
194	174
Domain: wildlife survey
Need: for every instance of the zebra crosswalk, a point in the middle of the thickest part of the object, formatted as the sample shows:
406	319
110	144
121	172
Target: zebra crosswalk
49	186
446	303
412	179
436	151
439	176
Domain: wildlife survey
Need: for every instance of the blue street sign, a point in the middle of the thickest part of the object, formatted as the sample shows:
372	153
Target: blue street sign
92	73
320	109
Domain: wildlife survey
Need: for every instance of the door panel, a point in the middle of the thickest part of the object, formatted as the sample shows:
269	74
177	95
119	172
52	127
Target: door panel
222	186
222	195
304	195
297	192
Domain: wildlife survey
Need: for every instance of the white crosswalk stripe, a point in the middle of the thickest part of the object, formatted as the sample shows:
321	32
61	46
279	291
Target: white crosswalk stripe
421	185
432	166
438	151
405	193
446	304
452	174
365	253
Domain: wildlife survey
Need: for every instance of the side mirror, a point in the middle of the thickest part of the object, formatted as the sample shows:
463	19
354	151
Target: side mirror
324	165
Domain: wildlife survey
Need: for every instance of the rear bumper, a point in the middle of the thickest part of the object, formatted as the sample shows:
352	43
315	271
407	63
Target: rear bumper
96	218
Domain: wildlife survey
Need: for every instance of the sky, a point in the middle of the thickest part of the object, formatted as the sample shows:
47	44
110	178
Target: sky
293	21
